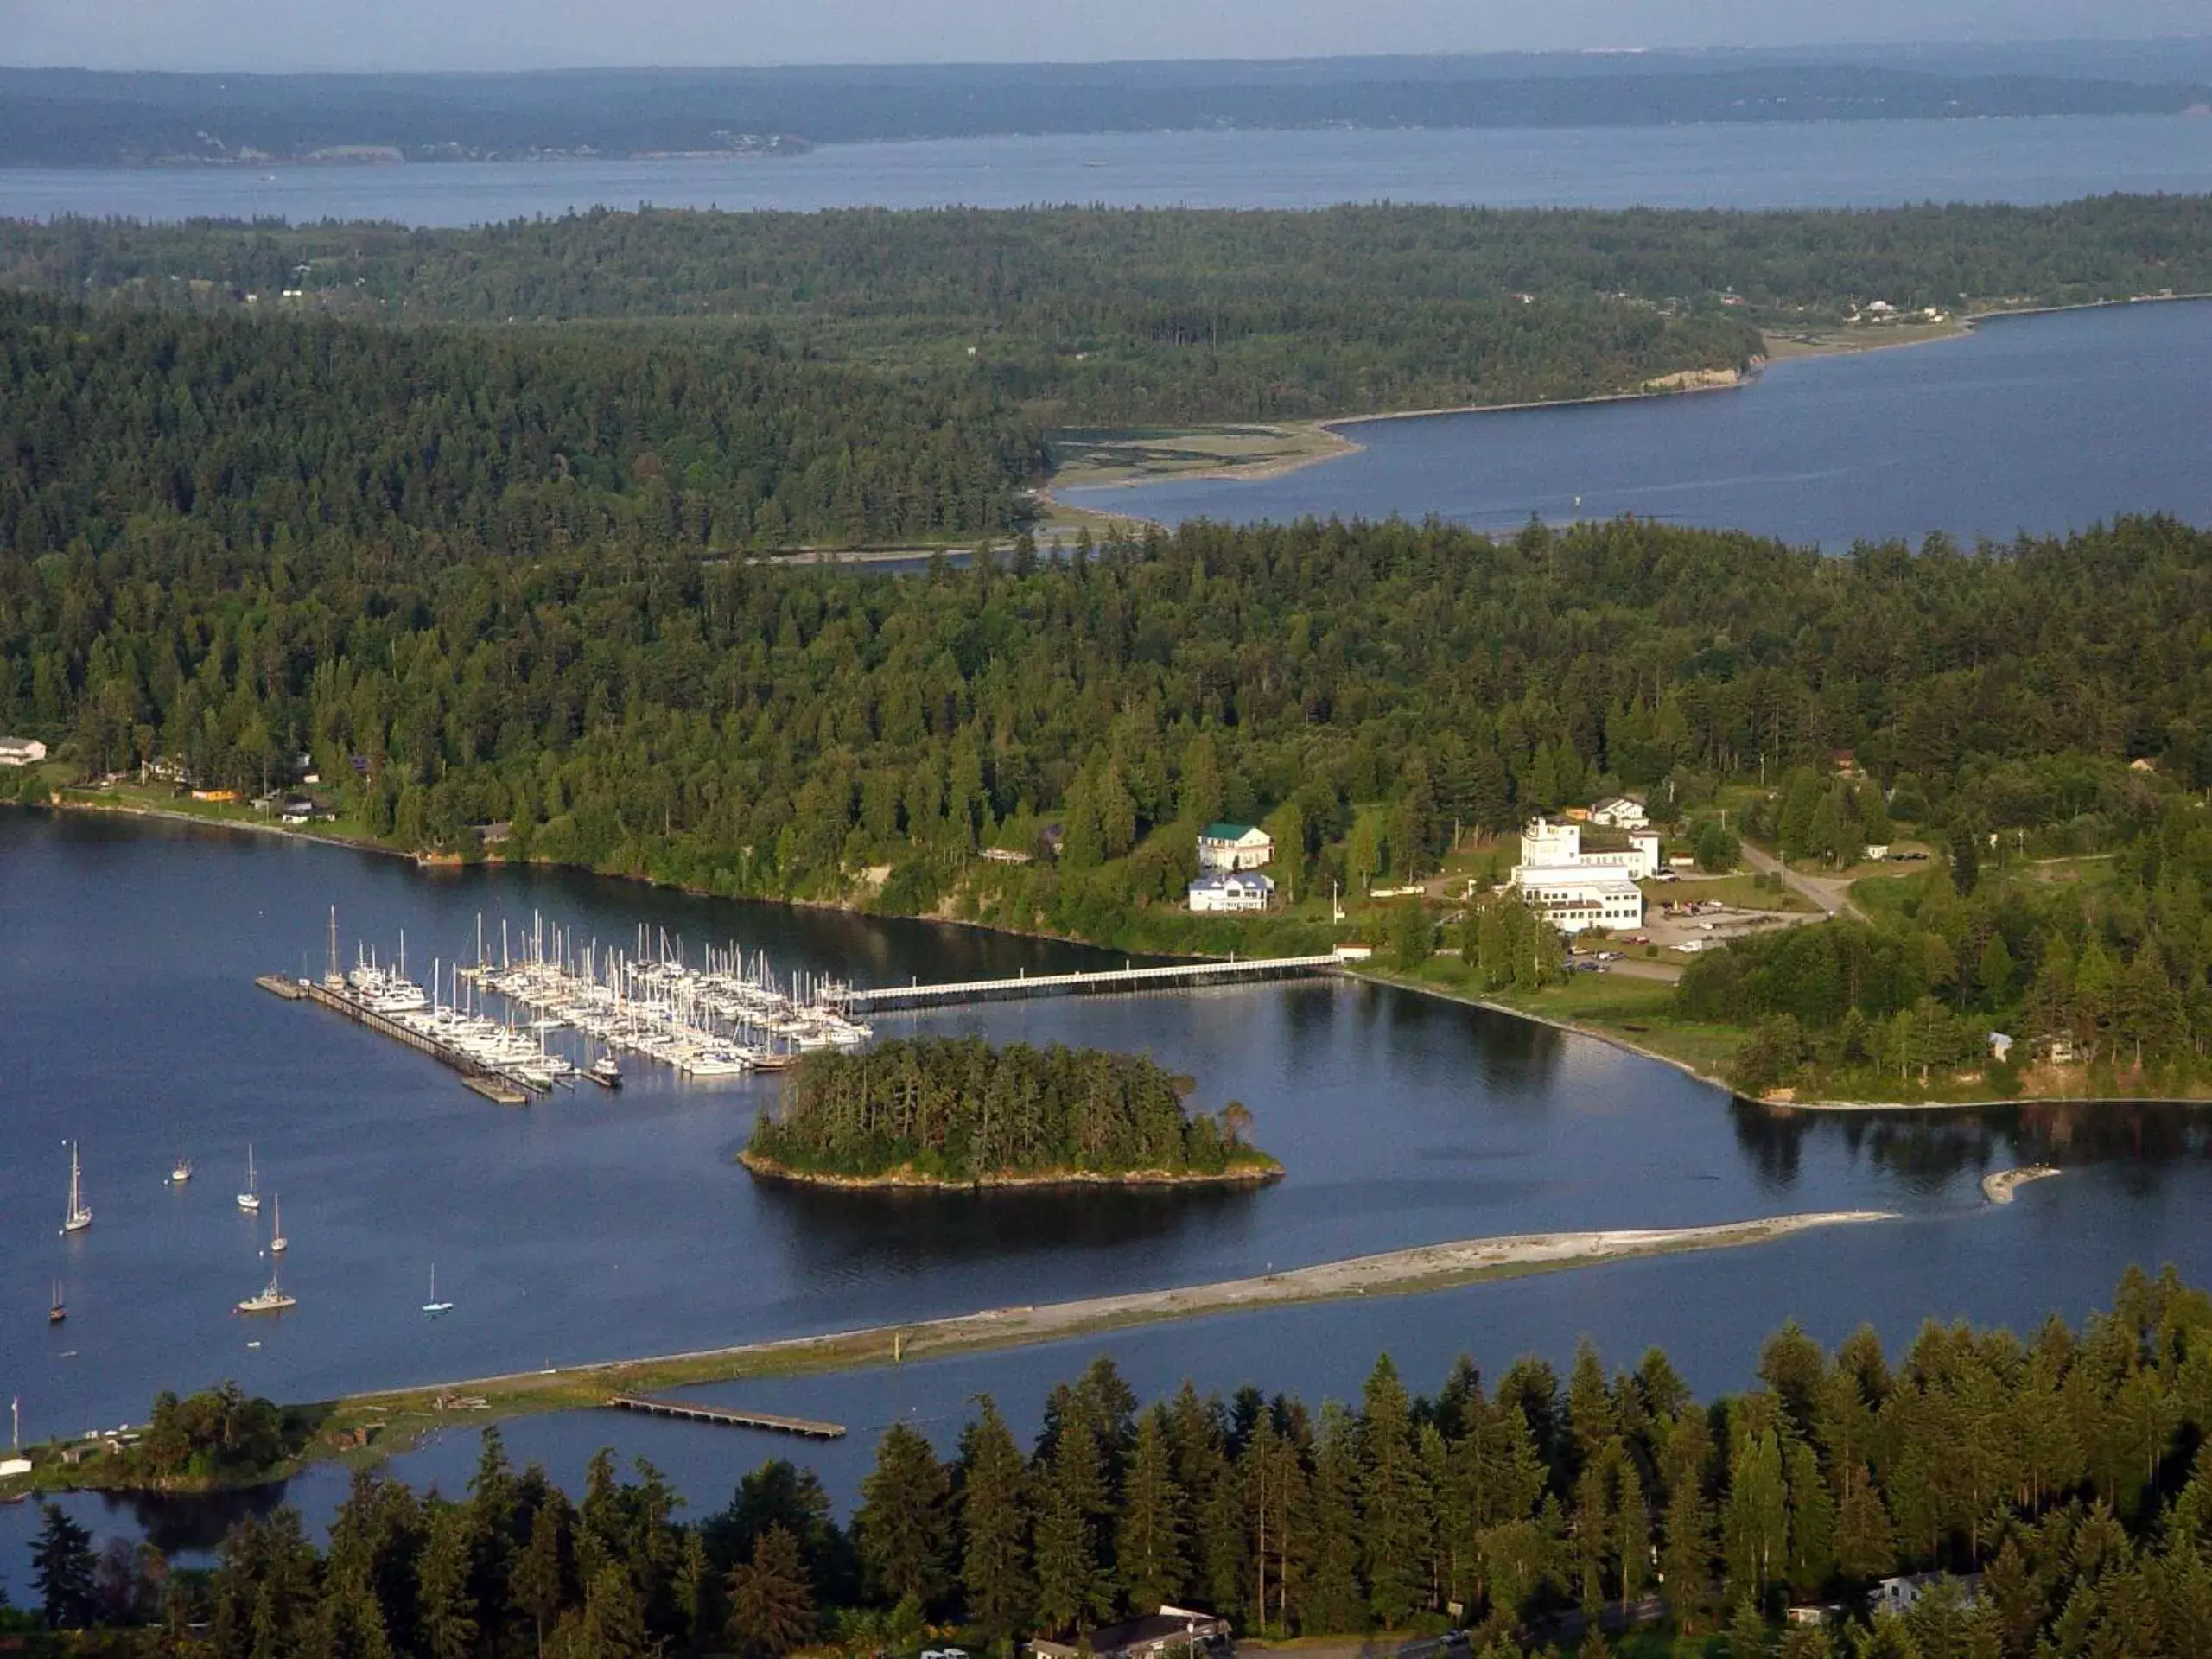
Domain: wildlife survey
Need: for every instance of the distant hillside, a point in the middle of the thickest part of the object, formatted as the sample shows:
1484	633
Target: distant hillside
78	118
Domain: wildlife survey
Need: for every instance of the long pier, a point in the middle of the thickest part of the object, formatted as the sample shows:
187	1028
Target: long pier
467	1064
773	1422
1175	977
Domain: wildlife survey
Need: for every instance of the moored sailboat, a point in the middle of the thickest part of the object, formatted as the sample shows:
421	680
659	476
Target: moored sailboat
433	1306
56	1313
250	1200
278	1243
80	1213
181	1171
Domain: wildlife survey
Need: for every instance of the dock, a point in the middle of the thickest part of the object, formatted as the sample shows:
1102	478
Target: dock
1181	976
729	1417
361	1013
498	1090
277	985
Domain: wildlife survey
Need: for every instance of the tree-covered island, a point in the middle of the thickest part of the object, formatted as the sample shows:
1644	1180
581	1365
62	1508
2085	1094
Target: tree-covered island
942	1111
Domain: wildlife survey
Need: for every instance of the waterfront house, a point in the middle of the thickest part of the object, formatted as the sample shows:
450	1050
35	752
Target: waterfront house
1233	847
1574	890
1220	891
1172	1630
21	751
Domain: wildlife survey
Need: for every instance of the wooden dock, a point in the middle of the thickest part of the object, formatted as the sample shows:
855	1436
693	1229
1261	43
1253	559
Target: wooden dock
291	989
498	1090
361	1014
1181	976
729	1417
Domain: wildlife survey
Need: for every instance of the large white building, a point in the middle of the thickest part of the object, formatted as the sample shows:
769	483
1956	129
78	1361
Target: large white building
1217	890
1574	890
1233	847
21	751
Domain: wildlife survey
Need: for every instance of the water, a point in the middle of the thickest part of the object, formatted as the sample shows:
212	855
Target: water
1812	164
595	1226
2041	424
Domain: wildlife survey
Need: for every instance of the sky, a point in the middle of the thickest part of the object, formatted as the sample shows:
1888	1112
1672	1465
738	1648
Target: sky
371	34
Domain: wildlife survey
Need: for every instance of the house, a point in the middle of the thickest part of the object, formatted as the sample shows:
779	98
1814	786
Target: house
1004	856
1177	1630
21	751
13	1467
1219	890
1619	812
1898	1595
1817	1615
1233	847
2000	1046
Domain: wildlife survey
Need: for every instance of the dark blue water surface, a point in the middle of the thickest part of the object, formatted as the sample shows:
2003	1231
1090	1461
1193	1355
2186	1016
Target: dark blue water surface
2042	424
594	1226
1806	164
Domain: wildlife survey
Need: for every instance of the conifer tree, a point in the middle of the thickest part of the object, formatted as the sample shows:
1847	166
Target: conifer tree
1394	1512
1330	1551
901	1525
448	1610
770	1608
1150	1547
994	1525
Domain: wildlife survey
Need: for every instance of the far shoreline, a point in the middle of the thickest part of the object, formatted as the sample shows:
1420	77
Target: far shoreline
1778	347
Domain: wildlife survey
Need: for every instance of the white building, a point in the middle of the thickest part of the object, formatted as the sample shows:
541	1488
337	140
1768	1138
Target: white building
1572	901
1230	890
21	751
1574	890
1233	847
1619	812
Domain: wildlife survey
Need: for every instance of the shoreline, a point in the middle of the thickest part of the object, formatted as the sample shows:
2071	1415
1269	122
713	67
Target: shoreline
1960	326
906	1179
365	1428
1369	974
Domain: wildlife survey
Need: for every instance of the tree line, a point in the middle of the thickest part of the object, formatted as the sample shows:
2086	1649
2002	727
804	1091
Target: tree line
1090	317
957	1109
263	434
1363	690
2066	1469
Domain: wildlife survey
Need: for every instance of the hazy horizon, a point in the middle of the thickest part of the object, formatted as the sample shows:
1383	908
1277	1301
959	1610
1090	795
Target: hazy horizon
278	36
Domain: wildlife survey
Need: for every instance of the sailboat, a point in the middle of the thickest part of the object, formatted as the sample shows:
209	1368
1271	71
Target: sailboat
433	1306
250	1200
278	1243
56	1313
181	1171
80	1213
271	1299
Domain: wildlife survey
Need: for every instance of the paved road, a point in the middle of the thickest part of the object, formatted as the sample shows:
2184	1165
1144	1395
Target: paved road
1831	893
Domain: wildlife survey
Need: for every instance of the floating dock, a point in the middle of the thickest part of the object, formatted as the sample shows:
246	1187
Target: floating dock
361	1013
1181	976
277	985
499	1091
773	1422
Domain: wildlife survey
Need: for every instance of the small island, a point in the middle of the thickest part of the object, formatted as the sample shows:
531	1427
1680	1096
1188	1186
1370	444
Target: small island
956	1112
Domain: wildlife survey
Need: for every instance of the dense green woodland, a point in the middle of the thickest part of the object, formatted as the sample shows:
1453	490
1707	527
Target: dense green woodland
2069	1469
264	435
777	733
956	1109
1097	316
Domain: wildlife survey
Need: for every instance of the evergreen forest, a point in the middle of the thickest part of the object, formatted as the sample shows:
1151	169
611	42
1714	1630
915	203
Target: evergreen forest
1088	317
2060	1484
957	1111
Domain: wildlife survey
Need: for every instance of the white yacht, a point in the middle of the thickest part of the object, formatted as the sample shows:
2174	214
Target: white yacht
250	1200
80	1213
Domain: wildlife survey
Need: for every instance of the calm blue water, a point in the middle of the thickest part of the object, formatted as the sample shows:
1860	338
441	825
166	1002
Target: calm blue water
1814	164
2040	425
595	1226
